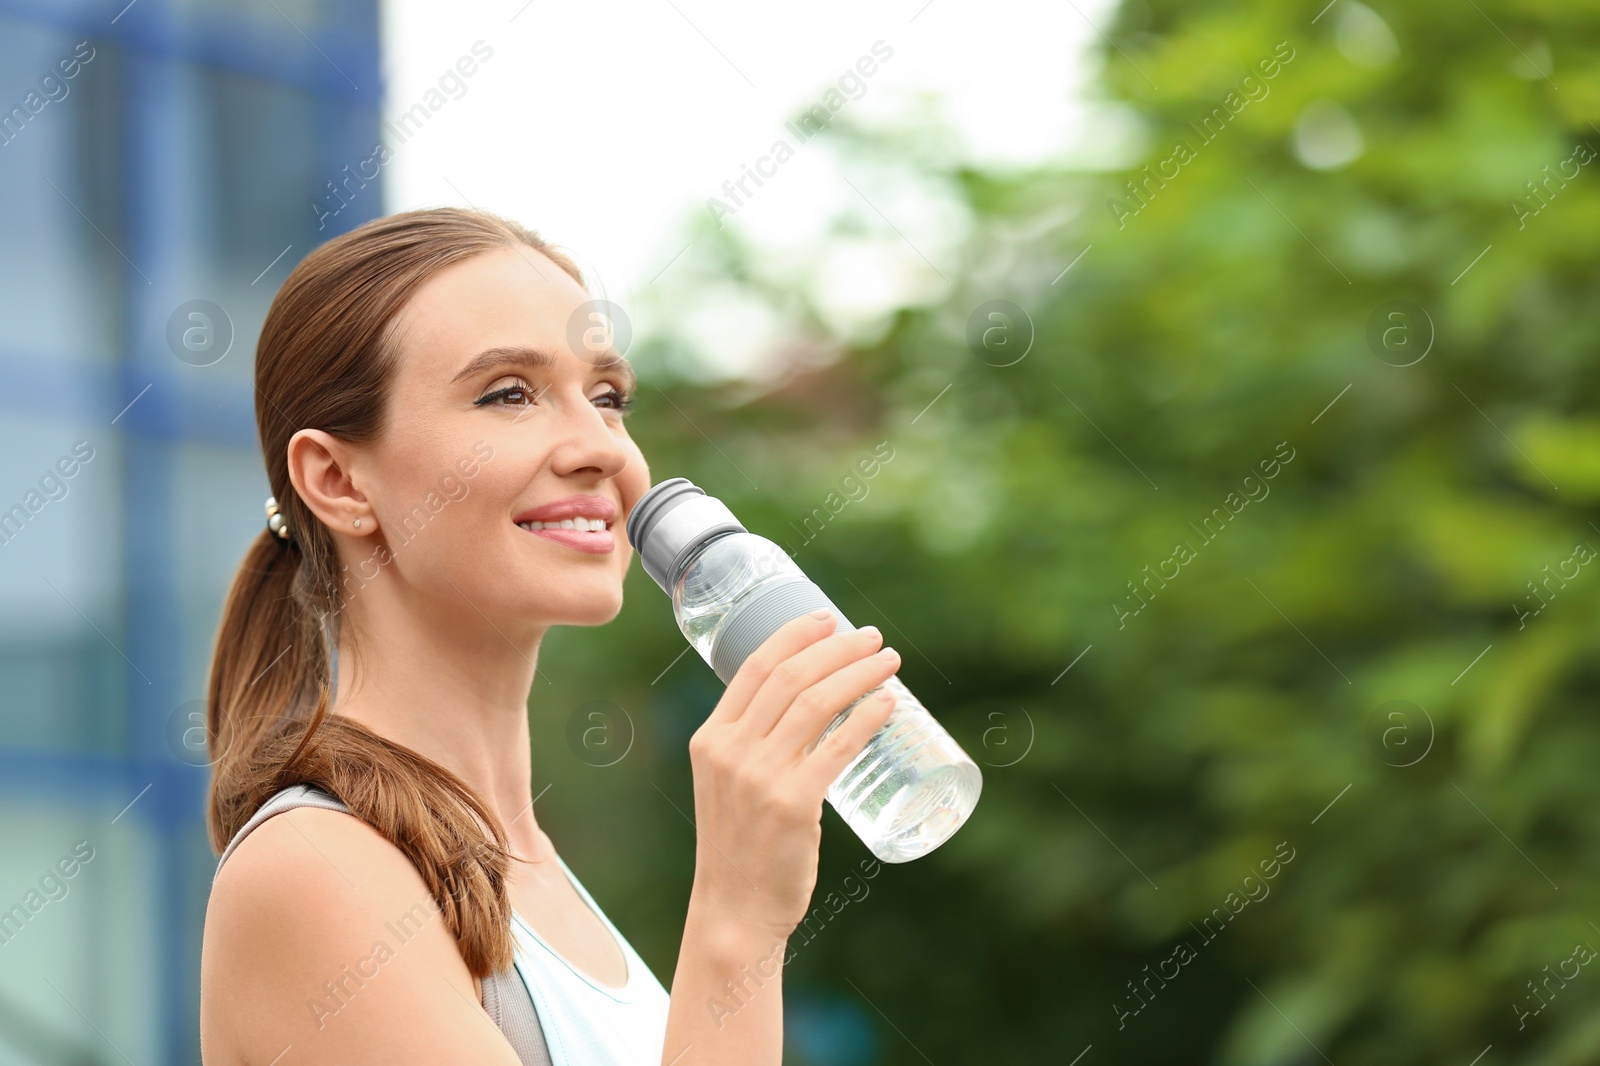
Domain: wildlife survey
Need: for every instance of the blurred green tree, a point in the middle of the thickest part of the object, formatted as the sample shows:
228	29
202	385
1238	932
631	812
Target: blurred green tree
1297	473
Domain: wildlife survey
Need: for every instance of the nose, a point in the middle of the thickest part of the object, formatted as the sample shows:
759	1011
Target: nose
589	443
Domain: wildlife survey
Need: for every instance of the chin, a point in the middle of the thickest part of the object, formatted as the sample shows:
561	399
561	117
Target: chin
587	603
591	617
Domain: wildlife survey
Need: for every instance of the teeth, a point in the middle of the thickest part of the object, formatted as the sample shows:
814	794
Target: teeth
596	525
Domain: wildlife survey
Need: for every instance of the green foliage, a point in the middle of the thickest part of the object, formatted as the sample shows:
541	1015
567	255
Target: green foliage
1389	560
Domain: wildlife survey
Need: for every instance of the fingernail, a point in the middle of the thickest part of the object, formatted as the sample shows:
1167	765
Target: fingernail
869	630
888	655
822	613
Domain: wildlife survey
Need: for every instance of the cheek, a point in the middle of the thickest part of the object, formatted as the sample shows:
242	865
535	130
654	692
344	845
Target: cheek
415	456
634	481
492	494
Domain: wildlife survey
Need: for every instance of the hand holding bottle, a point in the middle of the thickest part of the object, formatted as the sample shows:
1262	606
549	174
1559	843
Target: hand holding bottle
910	786
758	790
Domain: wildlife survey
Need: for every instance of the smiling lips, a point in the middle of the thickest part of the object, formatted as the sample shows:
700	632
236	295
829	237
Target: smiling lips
580	522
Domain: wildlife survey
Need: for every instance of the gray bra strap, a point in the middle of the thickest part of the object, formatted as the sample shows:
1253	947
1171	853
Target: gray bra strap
293	796
505	996
509	1004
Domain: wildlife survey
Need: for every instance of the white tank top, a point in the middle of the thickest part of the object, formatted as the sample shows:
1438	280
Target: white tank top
585	1022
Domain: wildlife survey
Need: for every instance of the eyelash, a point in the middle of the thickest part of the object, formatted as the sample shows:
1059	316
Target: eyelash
623	400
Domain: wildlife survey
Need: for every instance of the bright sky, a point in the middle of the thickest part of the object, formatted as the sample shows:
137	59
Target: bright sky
603	126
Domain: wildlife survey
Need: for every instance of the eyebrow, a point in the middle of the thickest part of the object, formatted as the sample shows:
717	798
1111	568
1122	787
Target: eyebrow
543	359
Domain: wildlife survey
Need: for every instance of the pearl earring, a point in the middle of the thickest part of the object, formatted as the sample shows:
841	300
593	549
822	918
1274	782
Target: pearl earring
357	523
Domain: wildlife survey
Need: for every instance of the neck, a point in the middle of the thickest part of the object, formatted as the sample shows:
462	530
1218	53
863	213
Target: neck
442	681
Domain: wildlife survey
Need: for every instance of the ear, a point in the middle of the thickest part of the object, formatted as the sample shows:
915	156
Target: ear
322	470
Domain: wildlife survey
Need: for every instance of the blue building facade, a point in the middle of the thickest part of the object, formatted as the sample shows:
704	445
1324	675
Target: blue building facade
161	167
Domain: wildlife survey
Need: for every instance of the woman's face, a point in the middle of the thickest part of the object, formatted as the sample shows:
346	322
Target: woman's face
482	430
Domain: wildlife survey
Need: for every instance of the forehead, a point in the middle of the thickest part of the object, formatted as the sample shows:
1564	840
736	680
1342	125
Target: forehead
499	298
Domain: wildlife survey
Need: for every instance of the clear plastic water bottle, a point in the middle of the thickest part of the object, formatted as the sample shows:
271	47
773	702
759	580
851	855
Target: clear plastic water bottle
912	786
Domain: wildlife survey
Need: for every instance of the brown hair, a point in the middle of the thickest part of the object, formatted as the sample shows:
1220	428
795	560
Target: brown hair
325	361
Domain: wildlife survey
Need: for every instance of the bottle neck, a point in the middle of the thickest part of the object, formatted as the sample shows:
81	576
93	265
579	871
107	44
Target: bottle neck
673	533
693	555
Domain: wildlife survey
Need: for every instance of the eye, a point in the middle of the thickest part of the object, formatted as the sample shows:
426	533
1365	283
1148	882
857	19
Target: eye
520	394
619	400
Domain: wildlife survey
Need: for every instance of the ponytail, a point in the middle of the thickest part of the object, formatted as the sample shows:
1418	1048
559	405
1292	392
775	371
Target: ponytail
321	360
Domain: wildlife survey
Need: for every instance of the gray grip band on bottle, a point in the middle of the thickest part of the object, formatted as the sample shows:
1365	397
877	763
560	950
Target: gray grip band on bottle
749	624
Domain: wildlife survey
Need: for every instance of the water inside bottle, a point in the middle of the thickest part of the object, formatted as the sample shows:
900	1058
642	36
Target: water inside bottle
911	787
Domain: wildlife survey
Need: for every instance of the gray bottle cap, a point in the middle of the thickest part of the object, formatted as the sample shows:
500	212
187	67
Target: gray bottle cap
670	521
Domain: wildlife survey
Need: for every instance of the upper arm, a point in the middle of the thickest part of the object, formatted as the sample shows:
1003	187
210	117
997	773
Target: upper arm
321	936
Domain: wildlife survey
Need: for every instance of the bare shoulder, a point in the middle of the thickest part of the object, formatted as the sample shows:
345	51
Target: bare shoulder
322	936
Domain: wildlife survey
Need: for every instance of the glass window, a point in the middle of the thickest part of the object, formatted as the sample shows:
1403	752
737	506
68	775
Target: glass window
59	272
59	579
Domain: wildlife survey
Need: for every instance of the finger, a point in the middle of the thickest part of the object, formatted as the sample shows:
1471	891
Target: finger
805	668
822	767
786	640
820	704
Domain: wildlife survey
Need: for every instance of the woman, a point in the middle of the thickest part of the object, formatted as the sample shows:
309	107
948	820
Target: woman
422	410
